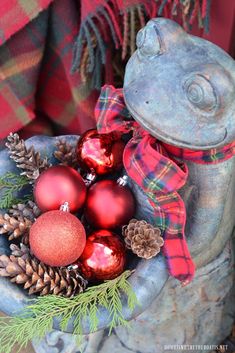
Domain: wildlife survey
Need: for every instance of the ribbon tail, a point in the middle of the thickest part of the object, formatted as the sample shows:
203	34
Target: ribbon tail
179	262
160	178
179	266
111	113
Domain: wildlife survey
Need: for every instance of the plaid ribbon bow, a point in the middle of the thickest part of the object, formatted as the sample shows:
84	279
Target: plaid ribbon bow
152	165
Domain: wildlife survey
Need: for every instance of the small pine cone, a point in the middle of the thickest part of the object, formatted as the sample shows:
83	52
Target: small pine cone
29	210
37	277
132	228
26	159
14	227
66	154
142	238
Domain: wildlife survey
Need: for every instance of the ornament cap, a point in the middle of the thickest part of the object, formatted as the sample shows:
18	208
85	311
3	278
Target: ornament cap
65	207
90	178
72	267
122	181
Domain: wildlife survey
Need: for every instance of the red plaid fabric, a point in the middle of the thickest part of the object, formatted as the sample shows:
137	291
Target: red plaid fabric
16	14
41	40
215	155
151	164
36	55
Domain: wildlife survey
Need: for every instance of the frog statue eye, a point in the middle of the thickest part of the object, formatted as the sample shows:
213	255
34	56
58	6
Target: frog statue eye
148	41
201	93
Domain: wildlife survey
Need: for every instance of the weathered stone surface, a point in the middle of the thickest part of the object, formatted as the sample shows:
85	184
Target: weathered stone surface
195	314
180	87
200	314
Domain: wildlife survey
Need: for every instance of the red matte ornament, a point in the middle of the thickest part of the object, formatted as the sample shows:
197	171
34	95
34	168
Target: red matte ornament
109	205
100	153
103	257
57	185
57	238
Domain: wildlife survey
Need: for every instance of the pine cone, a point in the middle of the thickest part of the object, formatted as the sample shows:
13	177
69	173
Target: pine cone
23	251
26	158
14	227
66	154
142	238
37	277
29	210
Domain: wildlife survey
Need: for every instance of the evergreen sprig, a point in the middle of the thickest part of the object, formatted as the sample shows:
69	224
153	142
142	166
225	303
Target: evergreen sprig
37	318
11	183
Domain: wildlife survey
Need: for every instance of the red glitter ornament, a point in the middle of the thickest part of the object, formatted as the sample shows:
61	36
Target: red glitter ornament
100	153
57	238
103	257
57	185
109	205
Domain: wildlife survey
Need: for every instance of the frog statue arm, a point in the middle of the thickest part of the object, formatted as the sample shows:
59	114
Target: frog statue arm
179	88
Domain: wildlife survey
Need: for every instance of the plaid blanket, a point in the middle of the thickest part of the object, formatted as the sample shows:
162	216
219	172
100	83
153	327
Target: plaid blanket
154	167
36	53
41	40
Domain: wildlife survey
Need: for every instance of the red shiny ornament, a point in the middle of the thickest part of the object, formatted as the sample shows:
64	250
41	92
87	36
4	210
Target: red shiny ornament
109	205
101	153
57	238
103	257
57	185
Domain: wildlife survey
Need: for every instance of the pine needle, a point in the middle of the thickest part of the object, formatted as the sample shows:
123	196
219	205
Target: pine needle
11	183
37	318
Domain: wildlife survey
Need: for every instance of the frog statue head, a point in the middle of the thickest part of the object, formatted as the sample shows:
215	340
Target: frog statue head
181	88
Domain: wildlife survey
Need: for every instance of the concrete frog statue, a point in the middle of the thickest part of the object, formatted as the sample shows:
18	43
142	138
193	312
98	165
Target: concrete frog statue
181	89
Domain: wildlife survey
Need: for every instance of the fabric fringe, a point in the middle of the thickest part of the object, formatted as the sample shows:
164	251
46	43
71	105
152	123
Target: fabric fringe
91	44
134	18
188	11
94	26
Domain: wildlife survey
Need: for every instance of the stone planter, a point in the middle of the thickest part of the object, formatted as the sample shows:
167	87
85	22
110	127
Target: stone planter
169	314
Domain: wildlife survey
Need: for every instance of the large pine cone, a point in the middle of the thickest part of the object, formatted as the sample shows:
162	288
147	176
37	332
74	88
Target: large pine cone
19	220
29	210
26	159
37	277
142	238
14	227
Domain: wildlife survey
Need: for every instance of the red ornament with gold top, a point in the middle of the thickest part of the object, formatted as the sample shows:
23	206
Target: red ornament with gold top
100	153
57	238
109	205
59	184
104	256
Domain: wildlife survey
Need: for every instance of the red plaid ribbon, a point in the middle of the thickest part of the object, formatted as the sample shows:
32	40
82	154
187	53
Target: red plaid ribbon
151	164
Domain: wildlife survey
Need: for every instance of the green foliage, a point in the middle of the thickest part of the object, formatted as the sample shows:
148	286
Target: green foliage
37	318
11	183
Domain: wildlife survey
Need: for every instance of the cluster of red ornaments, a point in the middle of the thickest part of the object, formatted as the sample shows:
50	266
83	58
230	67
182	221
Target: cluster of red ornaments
58	238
